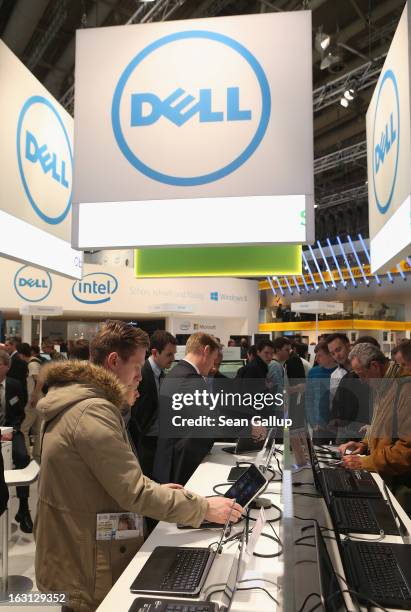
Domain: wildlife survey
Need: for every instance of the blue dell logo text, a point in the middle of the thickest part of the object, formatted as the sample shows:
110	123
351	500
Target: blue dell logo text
95	288
386	141
202	120
45	159
32	284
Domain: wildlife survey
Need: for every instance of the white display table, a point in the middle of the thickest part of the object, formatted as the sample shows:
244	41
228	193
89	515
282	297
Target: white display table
213	470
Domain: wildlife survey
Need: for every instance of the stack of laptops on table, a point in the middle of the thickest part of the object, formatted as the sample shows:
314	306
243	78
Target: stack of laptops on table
376	571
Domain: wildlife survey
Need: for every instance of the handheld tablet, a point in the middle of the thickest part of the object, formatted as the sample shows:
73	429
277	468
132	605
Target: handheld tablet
247	487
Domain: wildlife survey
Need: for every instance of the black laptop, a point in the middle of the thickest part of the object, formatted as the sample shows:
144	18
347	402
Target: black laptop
332	597
155	604
380	572
362	515
335	481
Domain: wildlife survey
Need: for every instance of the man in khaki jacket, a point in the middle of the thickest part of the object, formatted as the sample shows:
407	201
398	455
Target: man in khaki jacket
88	468
388	440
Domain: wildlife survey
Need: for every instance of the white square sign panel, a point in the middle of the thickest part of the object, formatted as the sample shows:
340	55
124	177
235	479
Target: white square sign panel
192	132
389	155
36	183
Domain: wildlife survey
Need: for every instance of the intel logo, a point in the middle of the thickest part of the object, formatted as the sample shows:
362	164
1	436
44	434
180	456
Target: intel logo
45	159
185	326
32	284
386	141
212	90
95	288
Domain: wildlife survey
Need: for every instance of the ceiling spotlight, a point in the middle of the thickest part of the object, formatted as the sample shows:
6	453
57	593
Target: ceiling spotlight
349	94
344	102
329	60
322	40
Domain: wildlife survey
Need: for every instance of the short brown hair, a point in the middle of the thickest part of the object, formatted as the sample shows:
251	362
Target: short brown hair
322	346
118	337
199	340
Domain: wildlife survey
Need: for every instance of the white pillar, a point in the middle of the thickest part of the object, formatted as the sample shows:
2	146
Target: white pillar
26	328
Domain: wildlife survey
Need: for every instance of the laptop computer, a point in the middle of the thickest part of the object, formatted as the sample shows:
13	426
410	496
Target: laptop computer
340	481
269	446
378	571
145	604
245	445
332	598
177	570
362	515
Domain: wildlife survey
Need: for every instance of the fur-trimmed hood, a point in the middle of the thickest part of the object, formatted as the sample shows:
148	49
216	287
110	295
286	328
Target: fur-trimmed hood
73	381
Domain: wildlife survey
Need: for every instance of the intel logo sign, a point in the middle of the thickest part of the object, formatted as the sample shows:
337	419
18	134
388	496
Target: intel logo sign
386	141
95	288
32	284
212	90
45	159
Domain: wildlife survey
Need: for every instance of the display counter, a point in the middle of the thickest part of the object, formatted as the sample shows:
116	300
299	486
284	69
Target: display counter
262	572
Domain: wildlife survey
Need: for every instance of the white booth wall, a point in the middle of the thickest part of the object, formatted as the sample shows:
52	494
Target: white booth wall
221	306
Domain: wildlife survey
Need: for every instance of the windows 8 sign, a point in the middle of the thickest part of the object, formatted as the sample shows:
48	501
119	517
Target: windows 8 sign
386	141
45	159
191	108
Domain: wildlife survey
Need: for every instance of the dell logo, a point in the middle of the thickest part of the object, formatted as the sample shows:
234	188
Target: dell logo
45	159
213	91
32	284
48	161
386	141
95	288
175	114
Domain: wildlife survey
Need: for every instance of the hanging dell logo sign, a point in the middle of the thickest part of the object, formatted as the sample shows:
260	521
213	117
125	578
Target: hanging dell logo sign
45	159
191	108
386	141
32	284
95	288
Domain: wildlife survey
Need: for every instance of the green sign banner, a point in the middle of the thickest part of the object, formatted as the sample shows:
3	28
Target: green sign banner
218	261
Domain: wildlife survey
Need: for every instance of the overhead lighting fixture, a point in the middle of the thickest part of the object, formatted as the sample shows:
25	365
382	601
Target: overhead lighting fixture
329	60
344	102
349	94
322	40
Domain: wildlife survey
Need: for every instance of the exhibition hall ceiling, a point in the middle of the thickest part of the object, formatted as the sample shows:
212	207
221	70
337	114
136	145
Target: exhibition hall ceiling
350	41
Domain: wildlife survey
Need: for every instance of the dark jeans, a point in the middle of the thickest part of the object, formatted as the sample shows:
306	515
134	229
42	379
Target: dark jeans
21	459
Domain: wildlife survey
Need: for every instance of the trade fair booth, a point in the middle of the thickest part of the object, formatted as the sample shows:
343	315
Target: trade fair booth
169	483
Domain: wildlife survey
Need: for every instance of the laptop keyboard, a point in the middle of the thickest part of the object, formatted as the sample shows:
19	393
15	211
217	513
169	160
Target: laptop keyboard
171	605
358	514
382	571
338	480
187	570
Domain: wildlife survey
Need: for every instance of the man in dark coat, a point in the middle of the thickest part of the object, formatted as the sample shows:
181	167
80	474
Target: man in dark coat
12	405
177	458
144	414
18	367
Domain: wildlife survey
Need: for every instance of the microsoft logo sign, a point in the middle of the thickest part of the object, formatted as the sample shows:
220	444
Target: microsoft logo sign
214	296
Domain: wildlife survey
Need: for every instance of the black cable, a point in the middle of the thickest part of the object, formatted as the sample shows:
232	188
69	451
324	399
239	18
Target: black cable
303	484
307	599
358	595
271	556
259	589
316	495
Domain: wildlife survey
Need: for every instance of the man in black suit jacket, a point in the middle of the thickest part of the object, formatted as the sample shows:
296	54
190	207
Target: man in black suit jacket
177	458
18	368
143	424
12	404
